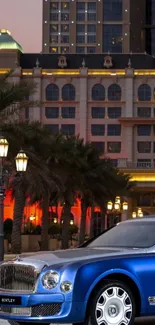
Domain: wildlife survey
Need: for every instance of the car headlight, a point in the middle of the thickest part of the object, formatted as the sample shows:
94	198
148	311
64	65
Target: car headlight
50	280
66	286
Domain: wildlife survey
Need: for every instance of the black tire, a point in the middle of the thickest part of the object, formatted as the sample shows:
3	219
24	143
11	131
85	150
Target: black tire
108	313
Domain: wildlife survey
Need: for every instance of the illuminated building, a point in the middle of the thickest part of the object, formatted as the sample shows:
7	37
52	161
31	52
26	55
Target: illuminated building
98	26
108	100
93	26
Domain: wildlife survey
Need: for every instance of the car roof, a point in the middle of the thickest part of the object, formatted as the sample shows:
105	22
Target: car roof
149	218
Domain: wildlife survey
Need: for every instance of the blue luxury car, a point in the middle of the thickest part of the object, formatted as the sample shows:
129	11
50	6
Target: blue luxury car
108	281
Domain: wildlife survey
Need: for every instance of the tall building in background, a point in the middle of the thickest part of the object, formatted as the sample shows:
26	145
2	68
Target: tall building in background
150	27
98	26
90	26
142	28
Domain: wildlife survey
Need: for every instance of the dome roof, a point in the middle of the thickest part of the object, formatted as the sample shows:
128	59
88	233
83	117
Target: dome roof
7	42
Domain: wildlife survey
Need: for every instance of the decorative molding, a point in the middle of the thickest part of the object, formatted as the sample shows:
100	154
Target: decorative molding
129	63
108	62
83	63
37	63
62	62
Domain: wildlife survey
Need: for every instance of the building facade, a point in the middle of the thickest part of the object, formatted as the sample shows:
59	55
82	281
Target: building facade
109	100
98	26
86	26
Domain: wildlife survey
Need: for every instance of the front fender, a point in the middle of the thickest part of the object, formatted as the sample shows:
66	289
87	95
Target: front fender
117	271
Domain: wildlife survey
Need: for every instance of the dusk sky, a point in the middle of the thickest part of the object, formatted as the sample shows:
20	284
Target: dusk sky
23	18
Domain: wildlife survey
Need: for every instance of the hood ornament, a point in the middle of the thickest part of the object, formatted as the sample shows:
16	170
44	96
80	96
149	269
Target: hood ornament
18	258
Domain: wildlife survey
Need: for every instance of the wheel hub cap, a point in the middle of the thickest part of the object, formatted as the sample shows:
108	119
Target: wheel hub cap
113	311
114	307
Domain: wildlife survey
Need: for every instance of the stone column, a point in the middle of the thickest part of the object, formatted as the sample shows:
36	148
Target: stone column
37	96
16	75
129	91
129	111
83	103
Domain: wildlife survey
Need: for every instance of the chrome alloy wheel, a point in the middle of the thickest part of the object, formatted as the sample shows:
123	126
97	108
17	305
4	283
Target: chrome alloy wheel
114	307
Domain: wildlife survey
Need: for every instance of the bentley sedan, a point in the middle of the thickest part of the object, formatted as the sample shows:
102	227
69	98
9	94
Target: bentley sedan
108	281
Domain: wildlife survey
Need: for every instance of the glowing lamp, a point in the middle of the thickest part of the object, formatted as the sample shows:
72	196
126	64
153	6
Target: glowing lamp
139	212
21	161
55	220
109	206
118	200
125	206
3	147
32	217
116	206
71	222
134	215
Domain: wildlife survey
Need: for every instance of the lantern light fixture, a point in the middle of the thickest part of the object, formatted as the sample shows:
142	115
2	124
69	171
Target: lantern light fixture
134	215
21	161
110	205
125	206
118	199
117	205
4	145
139	213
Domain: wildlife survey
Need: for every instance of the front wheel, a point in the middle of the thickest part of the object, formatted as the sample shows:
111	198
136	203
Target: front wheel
112	304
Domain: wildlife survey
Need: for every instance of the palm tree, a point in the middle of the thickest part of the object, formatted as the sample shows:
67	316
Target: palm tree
67	165
64	163
99	182
13	97
37	179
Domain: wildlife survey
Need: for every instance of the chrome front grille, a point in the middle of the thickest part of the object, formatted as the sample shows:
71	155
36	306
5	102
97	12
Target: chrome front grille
17	277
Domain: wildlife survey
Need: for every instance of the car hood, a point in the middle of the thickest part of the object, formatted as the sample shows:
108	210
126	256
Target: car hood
42	259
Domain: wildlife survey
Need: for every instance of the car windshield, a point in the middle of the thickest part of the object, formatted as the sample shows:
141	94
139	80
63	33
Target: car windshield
129	235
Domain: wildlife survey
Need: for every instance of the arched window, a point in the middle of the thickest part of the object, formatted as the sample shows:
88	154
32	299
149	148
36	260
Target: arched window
144	93
114	92
68	92
98	92
52	92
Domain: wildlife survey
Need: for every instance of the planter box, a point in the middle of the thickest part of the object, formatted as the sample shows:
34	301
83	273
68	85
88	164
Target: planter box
53	244
24	243
30	243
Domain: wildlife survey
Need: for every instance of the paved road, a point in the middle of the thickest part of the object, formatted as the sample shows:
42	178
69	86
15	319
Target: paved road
142	321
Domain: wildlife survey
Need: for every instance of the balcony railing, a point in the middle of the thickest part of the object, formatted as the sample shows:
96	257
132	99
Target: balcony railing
125	164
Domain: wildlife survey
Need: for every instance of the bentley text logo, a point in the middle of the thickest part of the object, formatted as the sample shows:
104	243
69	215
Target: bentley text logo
7	300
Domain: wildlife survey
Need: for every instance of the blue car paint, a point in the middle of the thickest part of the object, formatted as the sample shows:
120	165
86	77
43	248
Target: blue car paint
85	274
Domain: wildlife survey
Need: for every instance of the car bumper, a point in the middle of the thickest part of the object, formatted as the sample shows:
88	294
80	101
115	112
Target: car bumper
44	308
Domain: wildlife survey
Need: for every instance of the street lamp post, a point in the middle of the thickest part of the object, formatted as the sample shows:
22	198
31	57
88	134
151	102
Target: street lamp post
21	166
117	205
3	154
